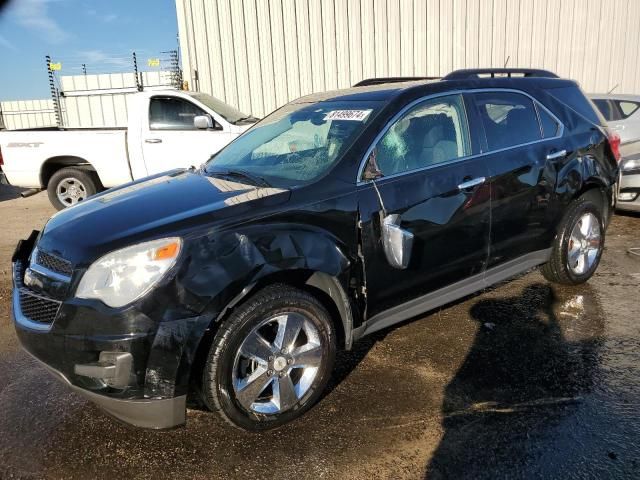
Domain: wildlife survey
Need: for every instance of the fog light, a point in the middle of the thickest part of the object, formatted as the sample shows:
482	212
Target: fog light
627	196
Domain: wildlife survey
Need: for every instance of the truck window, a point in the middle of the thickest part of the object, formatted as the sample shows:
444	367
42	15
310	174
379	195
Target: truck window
170	113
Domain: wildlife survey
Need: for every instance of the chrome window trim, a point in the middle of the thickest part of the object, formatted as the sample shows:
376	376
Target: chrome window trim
407	107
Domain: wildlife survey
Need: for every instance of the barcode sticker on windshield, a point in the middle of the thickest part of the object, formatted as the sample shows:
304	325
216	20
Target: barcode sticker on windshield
356	115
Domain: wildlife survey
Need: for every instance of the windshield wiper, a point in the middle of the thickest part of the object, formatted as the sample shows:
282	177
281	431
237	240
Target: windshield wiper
256	179
245	118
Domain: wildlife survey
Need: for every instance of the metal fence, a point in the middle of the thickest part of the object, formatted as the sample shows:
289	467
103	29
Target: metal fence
86	101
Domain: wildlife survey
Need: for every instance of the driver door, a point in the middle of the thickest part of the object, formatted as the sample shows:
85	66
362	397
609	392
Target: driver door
434	193
171	139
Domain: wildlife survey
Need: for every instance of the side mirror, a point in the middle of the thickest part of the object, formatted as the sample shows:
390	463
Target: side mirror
203	122
371	169
396	241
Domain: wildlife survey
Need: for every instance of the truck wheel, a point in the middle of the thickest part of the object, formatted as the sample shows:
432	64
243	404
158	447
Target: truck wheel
69	186
270	360
578	247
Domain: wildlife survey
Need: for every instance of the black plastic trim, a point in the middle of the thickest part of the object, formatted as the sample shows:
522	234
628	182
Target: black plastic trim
453	292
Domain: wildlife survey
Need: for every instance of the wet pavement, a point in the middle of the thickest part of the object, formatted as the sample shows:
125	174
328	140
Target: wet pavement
527	379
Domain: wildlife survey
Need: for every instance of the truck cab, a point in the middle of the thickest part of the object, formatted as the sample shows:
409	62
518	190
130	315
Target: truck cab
166	129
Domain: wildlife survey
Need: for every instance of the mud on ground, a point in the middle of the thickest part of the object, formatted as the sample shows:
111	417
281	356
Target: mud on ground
526	379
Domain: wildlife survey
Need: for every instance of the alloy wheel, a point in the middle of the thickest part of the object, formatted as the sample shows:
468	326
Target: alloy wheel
584	244
277	363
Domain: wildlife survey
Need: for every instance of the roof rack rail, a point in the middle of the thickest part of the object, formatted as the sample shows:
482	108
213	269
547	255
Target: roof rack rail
377	81
493	72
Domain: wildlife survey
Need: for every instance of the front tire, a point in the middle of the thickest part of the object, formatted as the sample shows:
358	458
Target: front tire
578	247
68	186
270	360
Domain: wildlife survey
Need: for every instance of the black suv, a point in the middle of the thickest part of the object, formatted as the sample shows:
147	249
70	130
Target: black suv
339	214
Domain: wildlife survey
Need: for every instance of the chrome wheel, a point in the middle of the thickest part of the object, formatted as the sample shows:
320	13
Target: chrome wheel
584	244
71	191
277	363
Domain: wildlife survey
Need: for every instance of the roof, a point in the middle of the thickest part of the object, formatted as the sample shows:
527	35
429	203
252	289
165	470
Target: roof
394	89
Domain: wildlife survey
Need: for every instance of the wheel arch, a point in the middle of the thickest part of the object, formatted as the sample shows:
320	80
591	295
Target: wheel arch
255	257
596	188
53	164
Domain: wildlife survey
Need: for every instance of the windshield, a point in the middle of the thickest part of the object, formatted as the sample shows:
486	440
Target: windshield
229	113
297	143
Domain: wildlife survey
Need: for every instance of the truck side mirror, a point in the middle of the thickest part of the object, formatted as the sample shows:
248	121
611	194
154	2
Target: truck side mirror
203	122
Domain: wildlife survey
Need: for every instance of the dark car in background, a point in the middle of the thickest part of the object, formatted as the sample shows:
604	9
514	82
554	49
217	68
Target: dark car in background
338	215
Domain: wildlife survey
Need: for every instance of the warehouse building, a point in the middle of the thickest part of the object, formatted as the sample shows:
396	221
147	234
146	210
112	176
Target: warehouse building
260	54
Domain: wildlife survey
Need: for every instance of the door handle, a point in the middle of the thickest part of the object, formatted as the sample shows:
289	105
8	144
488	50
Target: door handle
558	154
153	140
471	183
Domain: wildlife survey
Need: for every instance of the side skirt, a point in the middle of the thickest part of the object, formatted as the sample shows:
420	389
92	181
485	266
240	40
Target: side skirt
452	292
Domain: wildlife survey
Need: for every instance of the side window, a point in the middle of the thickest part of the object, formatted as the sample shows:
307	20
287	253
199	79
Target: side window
167	113
432	132
627	108
509	119
606	108
550	126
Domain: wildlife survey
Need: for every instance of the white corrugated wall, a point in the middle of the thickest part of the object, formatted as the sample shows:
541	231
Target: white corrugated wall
259	54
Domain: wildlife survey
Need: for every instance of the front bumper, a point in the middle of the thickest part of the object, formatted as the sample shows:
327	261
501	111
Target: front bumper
146	413
85	341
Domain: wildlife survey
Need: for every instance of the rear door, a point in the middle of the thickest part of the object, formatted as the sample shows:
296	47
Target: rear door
171	140
433	189
523	142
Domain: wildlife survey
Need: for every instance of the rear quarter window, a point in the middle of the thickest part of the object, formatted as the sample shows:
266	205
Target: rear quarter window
628	108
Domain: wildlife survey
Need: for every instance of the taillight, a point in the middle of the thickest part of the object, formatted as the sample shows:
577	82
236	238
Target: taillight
1	160
614	143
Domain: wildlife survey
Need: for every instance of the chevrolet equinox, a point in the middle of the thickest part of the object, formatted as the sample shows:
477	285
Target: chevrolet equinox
340	214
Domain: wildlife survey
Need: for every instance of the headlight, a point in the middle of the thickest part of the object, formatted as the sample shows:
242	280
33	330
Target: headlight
631	164
125	275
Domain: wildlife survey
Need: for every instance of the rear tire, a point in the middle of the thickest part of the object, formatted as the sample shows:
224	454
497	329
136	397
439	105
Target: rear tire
69	186
579	244
270	360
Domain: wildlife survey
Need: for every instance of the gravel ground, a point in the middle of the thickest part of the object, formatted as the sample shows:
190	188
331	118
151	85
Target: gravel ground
526	379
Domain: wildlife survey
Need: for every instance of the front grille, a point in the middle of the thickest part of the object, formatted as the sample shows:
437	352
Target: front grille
55	264
35	307
38	308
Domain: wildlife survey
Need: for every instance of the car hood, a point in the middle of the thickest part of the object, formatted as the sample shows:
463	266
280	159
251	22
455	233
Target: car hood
162	205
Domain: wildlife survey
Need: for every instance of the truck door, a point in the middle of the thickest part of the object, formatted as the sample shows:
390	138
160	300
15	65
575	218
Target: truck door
170	139
433	189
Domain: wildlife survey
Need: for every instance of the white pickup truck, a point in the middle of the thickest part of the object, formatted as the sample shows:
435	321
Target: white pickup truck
166	130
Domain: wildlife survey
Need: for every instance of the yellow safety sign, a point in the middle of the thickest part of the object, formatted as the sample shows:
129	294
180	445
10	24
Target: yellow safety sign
153	62
55	66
